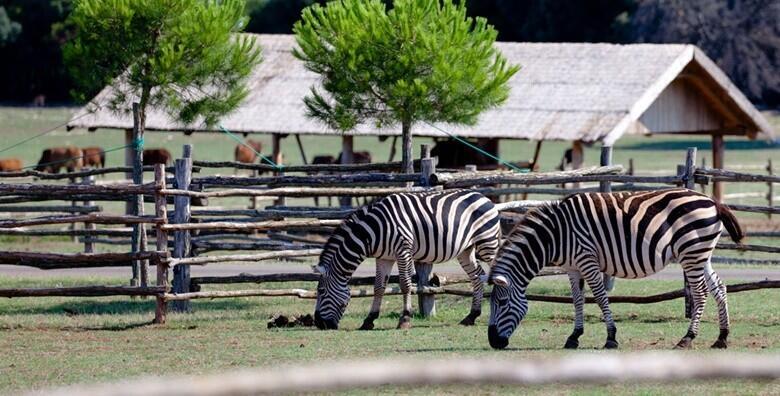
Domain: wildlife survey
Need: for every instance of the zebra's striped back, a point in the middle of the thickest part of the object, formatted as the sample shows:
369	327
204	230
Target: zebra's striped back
430	227
628	235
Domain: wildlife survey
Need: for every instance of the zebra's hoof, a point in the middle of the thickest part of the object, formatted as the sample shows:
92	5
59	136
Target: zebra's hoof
720	344
571	343
611	344
367	326
405	323
685	343
469	320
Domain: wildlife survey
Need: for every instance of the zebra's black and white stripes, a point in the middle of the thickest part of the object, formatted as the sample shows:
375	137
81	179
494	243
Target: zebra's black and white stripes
627	235
430	227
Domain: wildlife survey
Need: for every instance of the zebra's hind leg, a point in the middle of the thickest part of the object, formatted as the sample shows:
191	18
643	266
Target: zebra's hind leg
579	303
383	269
698	291
718	291
474	270
405	264
592	274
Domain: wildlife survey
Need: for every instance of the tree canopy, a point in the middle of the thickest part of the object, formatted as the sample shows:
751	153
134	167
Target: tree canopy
177	55
420	60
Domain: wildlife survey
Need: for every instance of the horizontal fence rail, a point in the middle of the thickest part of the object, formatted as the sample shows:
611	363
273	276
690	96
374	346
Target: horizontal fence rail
296	192
319	180
388	166
79	260
77	174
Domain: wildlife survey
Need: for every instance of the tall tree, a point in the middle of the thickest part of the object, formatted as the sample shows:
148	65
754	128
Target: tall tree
420	60
178	55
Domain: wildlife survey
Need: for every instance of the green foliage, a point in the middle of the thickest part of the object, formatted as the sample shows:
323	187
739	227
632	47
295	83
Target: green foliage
421	60
177	55
9	29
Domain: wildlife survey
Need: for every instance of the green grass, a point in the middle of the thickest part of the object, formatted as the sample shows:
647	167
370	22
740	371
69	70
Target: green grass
53	341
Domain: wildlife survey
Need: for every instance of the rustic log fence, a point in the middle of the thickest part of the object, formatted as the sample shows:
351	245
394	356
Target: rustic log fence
181	237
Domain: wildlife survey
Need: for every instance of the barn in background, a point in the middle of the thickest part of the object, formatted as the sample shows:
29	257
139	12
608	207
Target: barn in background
583	93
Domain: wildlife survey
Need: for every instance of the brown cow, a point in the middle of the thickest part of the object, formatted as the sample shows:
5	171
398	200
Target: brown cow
55	158
244	154
94	157
10	165
358	157
157	156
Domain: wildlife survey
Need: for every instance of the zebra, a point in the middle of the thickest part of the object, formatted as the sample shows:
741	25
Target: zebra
429	227
627	235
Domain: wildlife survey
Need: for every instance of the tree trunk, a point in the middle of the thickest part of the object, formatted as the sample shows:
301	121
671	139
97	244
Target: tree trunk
406	147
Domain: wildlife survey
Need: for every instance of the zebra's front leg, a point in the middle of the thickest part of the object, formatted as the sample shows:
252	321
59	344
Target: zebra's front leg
579	303
699	297
383	269
405	264
474	271
592	275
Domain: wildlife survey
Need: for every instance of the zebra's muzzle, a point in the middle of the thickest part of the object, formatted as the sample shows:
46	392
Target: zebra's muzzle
323	324
496	341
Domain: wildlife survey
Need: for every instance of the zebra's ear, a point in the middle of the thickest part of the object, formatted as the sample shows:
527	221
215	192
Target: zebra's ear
500	280
318	269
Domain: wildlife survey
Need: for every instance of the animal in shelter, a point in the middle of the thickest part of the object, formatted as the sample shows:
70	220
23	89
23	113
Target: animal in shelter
358	157
322	160
10	165
626	235
157	156
429	227
94	157
55	158
454	154
248	155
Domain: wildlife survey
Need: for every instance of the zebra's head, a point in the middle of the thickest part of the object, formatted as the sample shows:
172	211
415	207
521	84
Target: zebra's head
332	296
508	306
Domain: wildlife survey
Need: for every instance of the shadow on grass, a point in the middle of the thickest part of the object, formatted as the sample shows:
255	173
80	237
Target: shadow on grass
86	307
678	145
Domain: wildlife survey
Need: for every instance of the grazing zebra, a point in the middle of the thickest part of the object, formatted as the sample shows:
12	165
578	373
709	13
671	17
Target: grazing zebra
430	227
627	235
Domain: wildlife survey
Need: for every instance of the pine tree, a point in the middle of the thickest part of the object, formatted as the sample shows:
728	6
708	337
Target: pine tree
420	60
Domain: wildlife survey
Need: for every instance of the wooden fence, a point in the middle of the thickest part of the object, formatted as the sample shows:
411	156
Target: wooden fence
183	235
587	368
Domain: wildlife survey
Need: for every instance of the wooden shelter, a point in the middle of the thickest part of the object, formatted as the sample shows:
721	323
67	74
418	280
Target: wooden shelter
582	93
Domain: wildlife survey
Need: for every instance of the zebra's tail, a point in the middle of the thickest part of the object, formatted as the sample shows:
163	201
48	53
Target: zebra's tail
730	222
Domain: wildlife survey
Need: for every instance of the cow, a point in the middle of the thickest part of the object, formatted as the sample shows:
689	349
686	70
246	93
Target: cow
358	157
247	155
157	156
55	158
10	165
94	157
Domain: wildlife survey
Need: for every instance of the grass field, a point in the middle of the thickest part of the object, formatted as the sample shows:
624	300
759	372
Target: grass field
52	341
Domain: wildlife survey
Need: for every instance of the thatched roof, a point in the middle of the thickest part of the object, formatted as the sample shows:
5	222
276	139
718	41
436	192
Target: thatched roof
586	92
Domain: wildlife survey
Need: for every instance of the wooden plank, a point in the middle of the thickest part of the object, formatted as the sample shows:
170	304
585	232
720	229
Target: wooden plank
298	192
261	225
310	181
727	175
426	303
97	218
82	291
161	211
54	209
388	166
182	214
203	260
754	209
77	260
73	189
718	151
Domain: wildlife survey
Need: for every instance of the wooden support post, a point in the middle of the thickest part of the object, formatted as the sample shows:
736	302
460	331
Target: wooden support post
347	157
181	239
140	268
277	158
688	178
393	149
717	163
129	163
606	187
577	158
161	211
630	167
770	195
426	302
89	245
73	204
703	186
300	147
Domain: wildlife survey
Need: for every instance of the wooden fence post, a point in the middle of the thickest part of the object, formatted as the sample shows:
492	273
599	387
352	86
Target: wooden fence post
606	187
181	239
161	211
689	183
140	268
276	153
426	302
770	195
89	245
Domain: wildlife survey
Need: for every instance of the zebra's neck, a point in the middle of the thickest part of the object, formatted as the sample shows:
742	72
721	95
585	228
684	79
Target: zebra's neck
538	240
349	245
